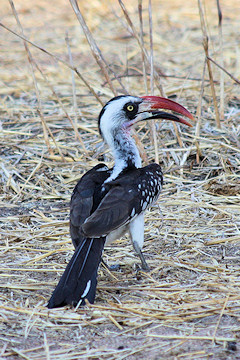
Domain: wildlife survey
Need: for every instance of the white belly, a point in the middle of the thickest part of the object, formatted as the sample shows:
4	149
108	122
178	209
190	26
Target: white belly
116	234
135	229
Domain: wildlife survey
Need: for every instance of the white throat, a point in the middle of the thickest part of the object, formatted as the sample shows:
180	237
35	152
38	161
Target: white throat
125	153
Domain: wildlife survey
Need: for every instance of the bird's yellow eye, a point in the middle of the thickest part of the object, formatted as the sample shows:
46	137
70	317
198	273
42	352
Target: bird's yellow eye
130	108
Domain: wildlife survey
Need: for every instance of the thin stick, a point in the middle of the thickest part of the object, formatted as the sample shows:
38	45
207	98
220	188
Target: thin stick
220	316
61	105
74	124
166	76
73	80
10	181
153	128
46	129
178	135
137	37
190	337
151	47
46	346
20	353
56	58
224	70
93	46
199	113
220	35
37	167
142	46
205	46
156	77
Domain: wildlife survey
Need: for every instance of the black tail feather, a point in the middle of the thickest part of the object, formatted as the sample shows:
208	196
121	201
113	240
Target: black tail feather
79	279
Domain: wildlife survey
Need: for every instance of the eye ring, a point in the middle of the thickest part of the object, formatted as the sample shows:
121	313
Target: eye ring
130	108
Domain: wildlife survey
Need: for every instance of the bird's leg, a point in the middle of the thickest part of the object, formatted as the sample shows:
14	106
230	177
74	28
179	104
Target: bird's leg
140	254
136	230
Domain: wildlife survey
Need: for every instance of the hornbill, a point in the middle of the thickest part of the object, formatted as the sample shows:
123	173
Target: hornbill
106	203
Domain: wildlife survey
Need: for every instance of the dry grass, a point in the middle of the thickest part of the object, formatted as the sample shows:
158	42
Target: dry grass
188	306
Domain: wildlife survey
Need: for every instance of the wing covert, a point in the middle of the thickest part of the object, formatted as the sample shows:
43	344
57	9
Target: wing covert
129	195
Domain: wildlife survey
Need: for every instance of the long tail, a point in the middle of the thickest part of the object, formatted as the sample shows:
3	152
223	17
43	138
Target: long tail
79	280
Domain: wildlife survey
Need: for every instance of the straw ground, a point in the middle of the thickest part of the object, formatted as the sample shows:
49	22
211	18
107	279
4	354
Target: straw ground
187	306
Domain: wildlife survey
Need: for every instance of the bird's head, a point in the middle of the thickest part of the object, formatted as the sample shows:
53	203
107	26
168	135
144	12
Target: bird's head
121	112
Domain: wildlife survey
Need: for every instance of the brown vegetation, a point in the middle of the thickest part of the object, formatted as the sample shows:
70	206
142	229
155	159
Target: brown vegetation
188	306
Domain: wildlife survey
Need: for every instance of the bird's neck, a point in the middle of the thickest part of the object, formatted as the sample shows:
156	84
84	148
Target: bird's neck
125	153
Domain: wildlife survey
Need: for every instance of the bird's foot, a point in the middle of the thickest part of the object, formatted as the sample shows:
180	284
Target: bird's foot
140	268
114	267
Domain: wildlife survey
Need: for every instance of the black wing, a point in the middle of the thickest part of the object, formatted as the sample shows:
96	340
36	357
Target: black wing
130	194
85	199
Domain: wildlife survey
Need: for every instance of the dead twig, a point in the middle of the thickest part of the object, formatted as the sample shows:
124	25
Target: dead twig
143	49
57	58
46	129
224	70
94	48
220	35
210	74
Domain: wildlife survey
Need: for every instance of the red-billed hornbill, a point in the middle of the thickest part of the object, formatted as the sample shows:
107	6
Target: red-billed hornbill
106	203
